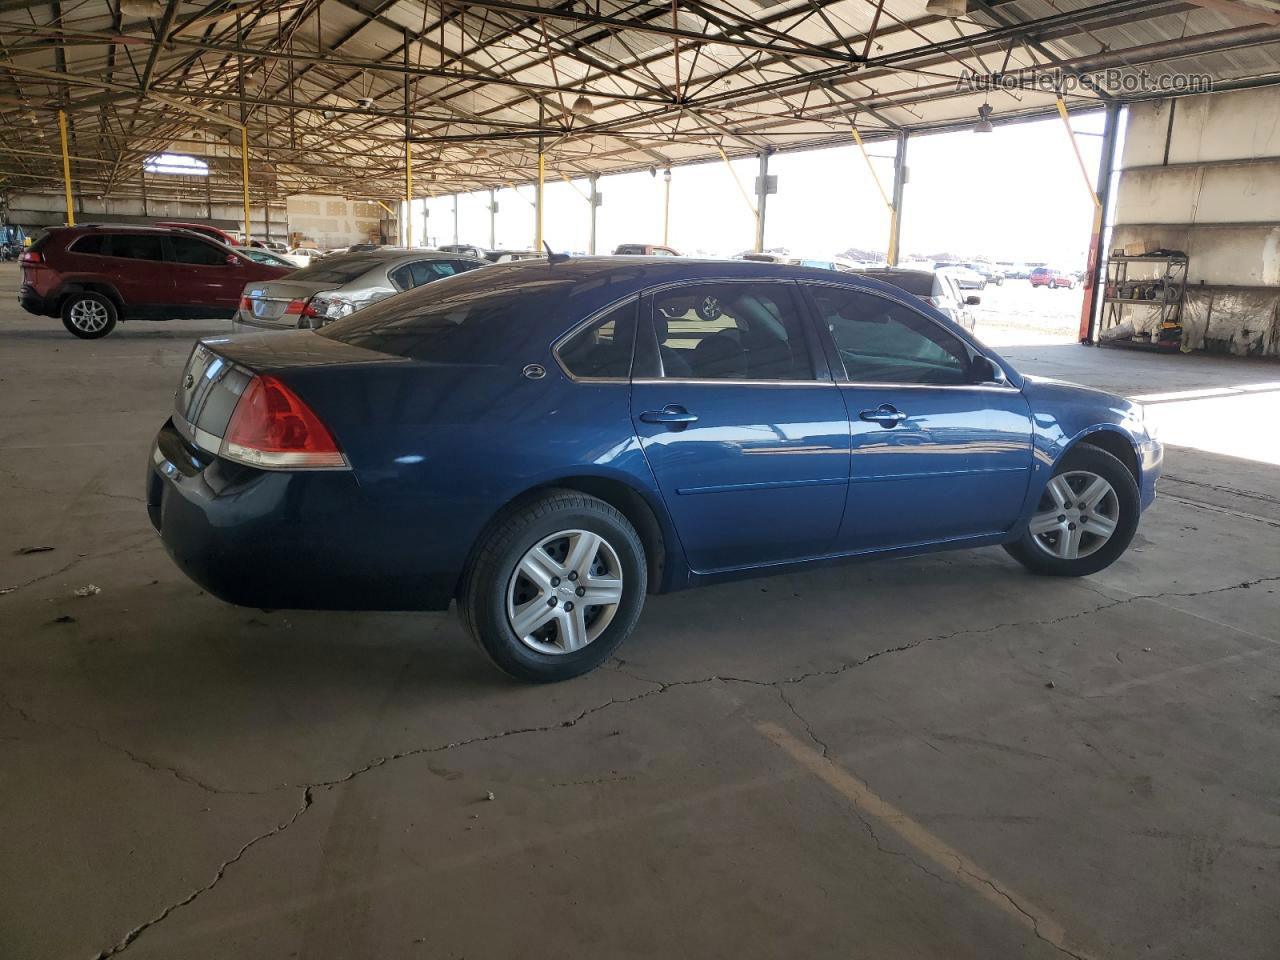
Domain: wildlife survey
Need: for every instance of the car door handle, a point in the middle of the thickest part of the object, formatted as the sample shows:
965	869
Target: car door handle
887	415
673	415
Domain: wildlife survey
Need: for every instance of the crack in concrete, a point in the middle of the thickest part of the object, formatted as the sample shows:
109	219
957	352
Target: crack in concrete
1234	491
660	687
1032	918
194	895
174	771
78	560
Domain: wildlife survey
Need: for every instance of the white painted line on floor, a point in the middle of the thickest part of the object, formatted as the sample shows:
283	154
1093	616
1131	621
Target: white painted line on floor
963	870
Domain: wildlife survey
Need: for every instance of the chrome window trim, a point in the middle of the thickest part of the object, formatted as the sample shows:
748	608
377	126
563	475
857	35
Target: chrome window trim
962	336
581	325
687	381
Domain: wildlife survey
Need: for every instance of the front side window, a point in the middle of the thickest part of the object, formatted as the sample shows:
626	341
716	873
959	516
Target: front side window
424	271
731	331
197	252
137	246
881	341
603	349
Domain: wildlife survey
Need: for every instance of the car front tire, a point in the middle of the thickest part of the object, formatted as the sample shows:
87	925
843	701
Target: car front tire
1086	517
527	596
88	315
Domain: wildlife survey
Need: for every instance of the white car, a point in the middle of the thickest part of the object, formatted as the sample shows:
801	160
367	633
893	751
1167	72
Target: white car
302	256
965	278
937	288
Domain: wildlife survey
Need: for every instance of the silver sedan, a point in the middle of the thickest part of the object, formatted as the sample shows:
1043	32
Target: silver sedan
335	287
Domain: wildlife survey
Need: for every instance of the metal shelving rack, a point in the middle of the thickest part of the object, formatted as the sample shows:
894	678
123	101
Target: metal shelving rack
1165	291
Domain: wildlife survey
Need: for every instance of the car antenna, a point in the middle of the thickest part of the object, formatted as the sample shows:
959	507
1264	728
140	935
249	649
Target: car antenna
554	257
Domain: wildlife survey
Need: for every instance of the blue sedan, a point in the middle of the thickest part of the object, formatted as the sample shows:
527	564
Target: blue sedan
548	442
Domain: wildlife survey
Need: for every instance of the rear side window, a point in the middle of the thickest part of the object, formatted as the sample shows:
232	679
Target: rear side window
731	331
603	349
137	246
197	252
93	244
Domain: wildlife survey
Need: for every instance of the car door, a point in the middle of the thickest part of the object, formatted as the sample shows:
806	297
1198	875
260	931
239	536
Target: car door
140	270
935	456
205	278
740	422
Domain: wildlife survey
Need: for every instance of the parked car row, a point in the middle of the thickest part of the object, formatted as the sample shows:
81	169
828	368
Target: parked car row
96	275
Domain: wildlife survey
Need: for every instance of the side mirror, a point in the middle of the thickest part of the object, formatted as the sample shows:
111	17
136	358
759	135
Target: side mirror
984	370
972	301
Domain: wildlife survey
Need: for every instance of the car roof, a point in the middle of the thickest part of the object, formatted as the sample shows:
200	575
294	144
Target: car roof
131	227
624	276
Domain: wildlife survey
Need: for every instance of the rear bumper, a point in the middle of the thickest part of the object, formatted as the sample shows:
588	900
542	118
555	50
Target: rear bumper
33	302
244	322
284	540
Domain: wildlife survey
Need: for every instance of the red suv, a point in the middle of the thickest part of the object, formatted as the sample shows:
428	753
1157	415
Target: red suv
1051	278
94	275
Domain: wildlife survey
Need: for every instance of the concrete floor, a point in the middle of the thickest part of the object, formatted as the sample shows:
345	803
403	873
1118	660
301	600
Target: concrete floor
928	758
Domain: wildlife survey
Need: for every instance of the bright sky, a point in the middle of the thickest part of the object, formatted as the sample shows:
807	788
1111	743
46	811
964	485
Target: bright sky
1015	194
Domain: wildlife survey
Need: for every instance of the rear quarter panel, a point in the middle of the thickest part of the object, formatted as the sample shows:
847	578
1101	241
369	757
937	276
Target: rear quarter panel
439	449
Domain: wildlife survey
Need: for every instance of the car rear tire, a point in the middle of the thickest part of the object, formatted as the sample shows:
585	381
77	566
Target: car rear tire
88	315
1085	519
526	596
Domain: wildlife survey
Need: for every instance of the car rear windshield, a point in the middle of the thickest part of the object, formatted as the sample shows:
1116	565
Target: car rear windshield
337	269
919	284
463	318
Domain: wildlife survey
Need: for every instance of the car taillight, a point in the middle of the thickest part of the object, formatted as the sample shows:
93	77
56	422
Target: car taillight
272	428
31	256
246	304
295	308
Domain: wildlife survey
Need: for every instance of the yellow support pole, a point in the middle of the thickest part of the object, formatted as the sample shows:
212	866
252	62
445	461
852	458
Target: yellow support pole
746	197
537	214
408	193
66	167
244	179
1084	171
857	138
666	207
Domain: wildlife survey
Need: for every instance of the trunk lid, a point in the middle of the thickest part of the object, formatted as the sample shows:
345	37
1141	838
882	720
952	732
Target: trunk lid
220	368
268	301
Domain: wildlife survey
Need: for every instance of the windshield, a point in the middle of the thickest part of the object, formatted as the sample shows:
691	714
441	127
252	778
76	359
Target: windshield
463	318
337	269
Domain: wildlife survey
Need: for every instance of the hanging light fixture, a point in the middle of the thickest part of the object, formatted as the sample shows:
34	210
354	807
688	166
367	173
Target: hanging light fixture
984	120
582	107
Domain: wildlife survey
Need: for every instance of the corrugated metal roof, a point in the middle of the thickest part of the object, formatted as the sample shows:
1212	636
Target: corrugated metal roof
489	79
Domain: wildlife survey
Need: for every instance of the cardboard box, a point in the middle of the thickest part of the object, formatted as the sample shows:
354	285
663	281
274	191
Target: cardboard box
1141	248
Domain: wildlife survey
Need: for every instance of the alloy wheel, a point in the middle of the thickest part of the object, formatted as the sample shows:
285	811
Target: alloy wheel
564	591
1078	513
88	316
